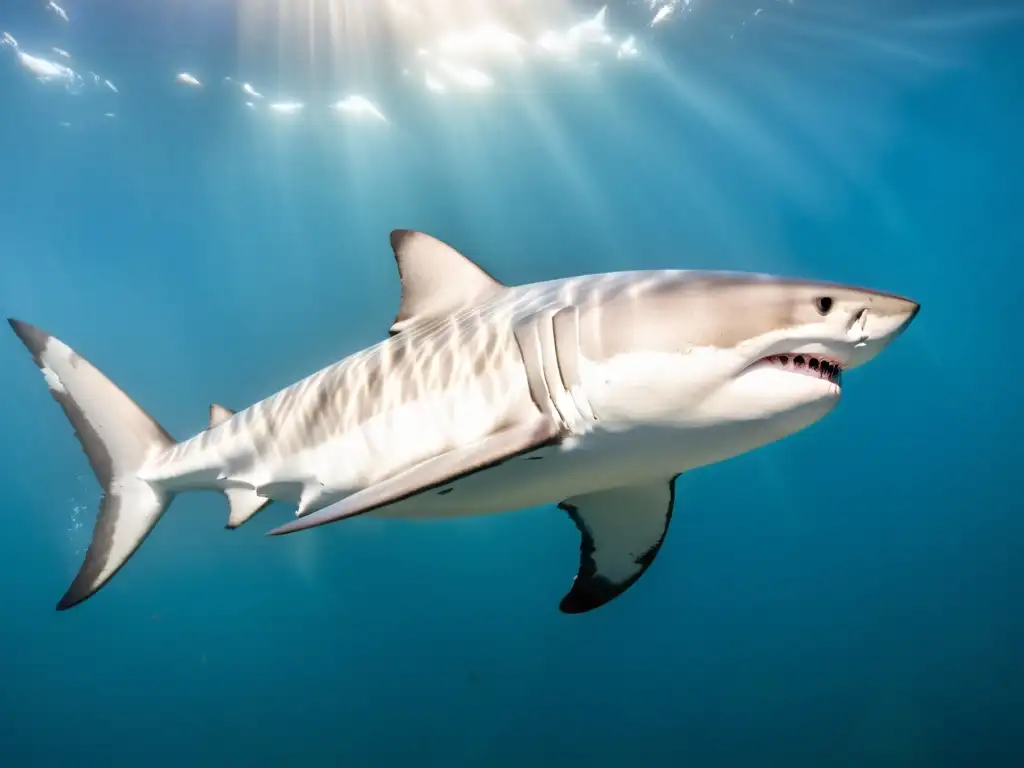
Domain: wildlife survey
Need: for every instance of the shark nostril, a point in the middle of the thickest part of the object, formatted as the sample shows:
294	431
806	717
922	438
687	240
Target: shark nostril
861	317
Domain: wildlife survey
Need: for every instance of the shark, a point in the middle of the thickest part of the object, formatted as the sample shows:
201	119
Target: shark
592	394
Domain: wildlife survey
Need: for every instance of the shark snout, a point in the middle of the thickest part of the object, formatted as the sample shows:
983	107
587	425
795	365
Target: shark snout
880	321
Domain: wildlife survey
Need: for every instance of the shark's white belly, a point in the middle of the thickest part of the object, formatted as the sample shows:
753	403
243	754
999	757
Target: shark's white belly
596	461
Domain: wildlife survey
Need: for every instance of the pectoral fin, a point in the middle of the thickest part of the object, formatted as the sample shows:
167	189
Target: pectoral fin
622	530
445	468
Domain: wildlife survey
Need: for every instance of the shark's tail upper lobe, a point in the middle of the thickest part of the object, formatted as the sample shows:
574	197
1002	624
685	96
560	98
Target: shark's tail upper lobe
118	438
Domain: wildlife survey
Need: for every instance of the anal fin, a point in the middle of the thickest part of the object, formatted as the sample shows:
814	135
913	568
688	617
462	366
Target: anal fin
621	531
445	468
243	503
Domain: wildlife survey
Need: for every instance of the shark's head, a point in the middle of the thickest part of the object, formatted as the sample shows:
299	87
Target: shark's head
712	349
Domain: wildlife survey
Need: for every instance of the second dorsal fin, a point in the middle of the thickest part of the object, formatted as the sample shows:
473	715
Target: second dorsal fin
218	413
437	280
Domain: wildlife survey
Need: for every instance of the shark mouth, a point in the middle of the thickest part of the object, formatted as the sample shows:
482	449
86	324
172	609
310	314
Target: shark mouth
829	370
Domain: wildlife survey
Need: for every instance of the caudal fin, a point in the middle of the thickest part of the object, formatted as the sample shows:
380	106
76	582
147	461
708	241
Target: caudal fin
118	437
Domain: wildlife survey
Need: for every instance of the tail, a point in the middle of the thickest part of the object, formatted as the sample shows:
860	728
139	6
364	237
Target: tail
118	437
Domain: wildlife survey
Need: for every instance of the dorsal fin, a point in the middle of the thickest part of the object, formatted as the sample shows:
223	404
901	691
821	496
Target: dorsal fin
218	413
437	280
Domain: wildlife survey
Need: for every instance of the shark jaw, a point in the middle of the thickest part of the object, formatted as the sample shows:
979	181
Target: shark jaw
779	394
796	378
815	366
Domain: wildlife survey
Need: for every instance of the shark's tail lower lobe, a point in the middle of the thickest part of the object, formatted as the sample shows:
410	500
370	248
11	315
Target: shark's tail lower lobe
118	437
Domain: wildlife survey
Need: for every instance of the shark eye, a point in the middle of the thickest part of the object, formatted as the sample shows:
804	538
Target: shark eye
824	304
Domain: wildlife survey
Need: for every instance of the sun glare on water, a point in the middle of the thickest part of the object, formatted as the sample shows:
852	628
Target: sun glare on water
443	46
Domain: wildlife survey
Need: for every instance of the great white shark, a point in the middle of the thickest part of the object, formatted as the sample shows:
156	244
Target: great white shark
594	393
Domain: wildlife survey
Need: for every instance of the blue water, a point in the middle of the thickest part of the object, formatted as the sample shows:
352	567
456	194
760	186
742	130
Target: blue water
849	596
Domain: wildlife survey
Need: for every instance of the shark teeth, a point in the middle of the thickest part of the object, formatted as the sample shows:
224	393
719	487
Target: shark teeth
829	370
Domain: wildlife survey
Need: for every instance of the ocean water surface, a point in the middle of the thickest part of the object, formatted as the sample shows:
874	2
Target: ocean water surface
197	196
